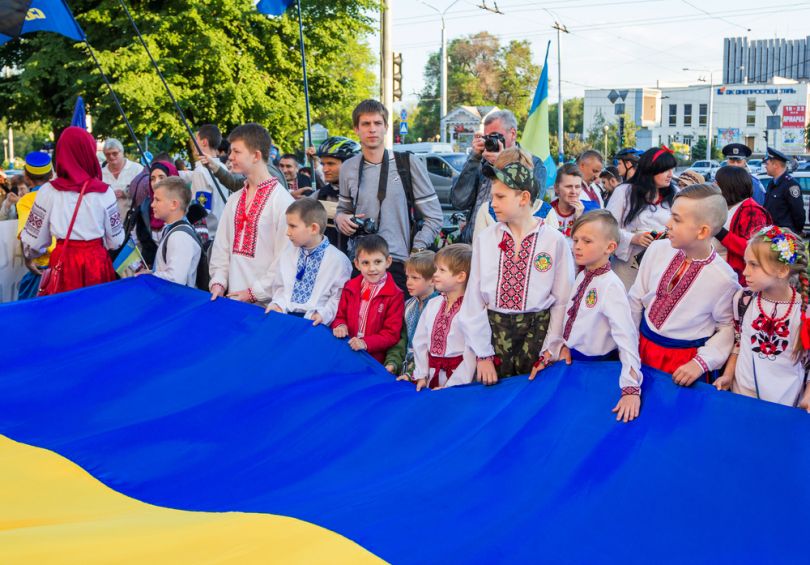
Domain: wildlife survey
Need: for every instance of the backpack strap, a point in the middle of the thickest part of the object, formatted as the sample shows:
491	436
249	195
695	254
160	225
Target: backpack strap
743	303
182	226
403	160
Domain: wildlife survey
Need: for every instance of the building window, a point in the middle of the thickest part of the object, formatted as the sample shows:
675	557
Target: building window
687	115
703	114
751	116
673	115
688	139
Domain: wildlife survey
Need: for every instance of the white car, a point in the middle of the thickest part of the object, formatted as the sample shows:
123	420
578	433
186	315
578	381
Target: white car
756	166
705	168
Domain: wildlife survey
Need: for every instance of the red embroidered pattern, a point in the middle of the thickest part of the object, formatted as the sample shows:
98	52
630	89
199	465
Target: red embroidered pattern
513	274
35	220
441	326
665	301
246	221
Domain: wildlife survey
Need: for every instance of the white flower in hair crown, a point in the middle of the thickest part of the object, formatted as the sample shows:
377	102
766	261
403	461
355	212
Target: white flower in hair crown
784	244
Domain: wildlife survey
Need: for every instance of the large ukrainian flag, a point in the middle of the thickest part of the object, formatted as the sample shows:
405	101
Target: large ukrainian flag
144	423
535	132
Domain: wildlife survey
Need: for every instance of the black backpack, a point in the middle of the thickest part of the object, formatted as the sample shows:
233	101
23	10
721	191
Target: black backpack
203	276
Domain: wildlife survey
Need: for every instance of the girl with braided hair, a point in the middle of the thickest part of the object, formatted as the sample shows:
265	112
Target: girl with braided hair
772	329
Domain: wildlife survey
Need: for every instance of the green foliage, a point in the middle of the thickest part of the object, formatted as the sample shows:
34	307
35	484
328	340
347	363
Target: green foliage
595	137
225	63
480	72
573	111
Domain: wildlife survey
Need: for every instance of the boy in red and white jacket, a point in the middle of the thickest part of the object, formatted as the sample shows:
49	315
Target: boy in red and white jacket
371	305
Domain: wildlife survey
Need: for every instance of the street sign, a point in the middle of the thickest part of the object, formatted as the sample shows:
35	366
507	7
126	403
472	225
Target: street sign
623	94
613	96
773	105
403	128
403	115
773	122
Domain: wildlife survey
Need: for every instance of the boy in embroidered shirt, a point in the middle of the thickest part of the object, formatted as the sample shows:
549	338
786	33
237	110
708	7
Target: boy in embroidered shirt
419	270
568	206
371	304
441	355
682	297
598	325
311	273
178	253
520	277
252	230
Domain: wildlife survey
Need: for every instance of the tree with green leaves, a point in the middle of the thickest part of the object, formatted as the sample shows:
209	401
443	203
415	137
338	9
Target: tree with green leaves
480	72
225	63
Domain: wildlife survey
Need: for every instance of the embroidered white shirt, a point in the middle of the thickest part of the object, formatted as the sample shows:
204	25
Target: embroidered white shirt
698	306
540	278
250	240
333	272
434	336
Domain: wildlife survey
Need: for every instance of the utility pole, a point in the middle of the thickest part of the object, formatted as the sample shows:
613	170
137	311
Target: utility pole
560	139
387	68
443	87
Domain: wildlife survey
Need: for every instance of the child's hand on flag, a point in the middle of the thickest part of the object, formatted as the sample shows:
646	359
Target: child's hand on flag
628	408
687	373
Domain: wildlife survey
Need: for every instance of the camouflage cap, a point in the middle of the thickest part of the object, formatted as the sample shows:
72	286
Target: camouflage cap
514	175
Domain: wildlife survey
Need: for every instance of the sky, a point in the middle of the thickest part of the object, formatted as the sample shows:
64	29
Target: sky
610	44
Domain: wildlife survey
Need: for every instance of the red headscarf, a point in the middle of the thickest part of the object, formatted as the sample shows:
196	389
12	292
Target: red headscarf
76	162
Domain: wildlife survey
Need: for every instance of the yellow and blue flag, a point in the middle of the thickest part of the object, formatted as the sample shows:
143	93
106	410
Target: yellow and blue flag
128	258
276	443
18	17
535	133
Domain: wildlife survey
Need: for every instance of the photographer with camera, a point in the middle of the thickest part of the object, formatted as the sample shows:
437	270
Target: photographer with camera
471	188
385	192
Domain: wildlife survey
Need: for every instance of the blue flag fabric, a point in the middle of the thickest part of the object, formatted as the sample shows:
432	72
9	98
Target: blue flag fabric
273	7
273	415
79	114
21	17
535	138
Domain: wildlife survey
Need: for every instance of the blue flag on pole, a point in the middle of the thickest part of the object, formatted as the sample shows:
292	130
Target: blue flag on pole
79	115
273	7
535	133
18	17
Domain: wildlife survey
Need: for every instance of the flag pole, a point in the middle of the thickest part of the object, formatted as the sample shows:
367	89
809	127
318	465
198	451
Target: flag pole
169	92
116	100
306	89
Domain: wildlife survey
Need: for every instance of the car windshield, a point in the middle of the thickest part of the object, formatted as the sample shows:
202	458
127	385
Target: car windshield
456	161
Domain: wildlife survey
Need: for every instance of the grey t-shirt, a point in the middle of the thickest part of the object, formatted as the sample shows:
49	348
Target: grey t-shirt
393	220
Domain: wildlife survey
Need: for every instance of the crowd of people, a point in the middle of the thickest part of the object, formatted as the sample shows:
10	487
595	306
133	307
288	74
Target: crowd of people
621	262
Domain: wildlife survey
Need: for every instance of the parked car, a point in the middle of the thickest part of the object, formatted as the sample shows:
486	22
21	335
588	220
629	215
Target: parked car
705	168
756	166
803	178
443	168
750	170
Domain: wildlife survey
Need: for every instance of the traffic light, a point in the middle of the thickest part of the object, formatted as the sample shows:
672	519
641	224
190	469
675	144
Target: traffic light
397	77
621	131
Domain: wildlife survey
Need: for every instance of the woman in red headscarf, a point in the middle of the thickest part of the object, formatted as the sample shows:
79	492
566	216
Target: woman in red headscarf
81	212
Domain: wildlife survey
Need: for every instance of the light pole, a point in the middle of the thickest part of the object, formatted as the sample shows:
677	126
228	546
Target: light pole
711	109
606	128
443	67
560	29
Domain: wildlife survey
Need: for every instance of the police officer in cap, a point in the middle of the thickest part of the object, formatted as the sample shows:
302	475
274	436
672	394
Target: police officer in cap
737	155
783	198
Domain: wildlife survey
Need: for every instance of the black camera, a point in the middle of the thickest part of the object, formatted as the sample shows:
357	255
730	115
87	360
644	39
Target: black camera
365	226
491	142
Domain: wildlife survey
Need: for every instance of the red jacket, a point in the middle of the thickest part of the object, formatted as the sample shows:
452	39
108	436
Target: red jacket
747	220
385	315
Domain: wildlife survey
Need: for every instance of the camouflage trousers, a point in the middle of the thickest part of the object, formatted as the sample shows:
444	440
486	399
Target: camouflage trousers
517	339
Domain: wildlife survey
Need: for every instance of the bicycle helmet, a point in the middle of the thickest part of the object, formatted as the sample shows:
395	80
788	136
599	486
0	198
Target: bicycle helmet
339	147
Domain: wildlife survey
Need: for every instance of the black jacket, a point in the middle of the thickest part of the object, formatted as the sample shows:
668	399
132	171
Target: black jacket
784	201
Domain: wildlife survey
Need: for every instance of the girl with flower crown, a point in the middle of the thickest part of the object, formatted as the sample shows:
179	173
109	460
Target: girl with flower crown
772	329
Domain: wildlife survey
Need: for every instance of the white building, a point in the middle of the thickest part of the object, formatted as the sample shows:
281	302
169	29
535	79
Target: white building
742	113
